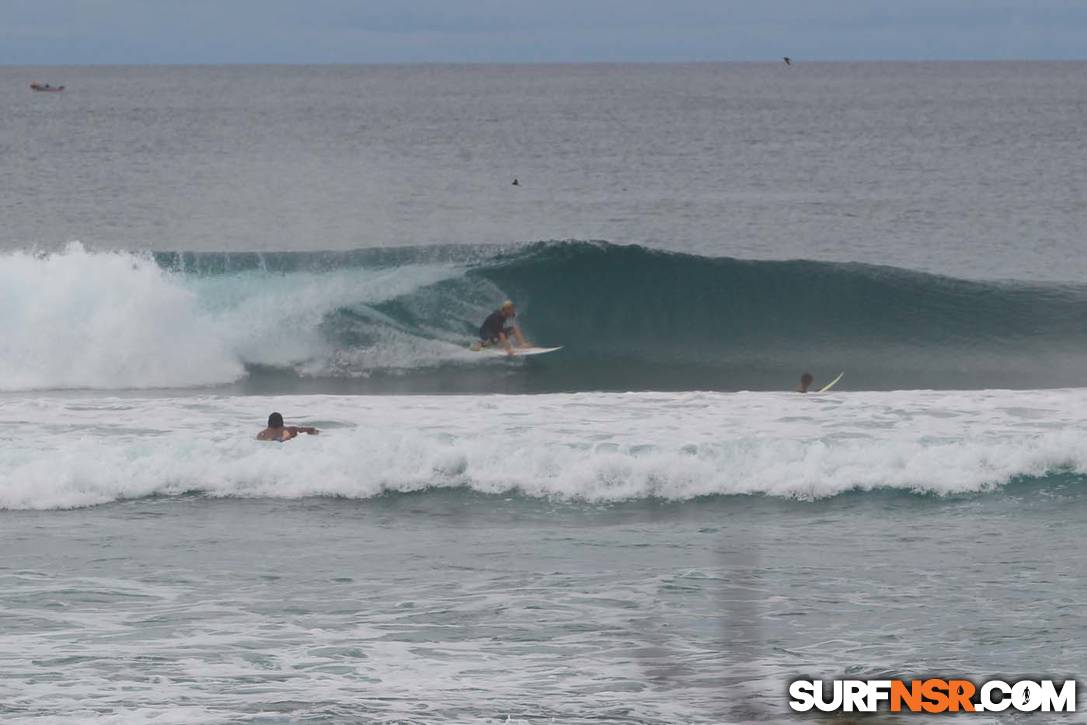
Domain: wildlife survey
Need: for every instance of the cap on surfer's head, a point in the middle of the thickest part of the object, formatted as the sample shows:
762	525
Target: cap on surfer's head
806	379
507	306
275	420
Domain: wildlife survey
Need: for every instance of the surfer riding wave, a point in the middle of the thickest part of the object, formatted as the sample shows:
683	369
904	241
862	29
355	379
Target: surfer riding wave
498	328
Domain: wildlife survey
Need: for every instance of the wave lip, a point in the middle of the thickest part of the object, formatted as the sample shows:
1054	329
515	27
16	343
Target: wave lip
595	448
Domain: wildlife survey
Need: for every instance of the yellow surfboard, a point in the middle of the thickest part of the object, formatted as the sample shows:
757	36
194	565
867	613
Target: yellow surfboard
832	383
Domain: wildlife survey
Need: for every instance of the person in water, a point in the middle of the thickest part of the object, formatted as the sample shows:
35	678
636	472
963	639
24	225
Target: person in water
498	328
806	381
276	431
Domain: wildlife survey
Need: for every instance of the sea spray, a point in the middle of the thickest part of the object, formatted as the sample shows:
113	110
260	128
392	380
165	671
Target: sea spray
77	319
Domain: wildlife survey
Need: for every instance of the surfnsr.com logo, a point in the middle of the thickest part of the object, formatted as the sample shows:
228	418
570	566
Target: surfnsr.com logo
932	695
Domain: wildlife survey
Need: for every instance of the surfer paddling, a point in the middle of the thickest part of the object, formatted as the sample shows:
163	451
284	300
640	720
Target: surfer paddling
498	328
276	431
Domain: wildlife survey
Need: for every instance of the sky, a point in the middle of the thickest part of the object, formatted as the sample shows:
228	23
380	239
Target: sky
78	32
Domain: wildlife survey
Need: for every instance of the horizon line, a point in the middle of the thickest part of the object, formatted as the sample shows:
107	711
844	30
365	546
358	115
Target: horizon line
473	63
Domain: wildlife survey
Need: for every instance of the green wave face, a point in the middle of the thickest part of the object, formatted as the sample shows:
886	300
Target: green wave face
636	318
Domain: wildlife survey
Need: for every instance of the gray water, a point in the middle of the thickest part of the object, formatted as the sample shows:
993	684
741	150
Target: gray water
626	558
968	169
441	608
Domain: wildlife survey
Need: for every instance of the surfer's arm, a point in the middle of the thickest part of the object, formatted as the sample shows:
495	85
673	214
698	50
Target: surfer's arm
520	337
296	429
505	342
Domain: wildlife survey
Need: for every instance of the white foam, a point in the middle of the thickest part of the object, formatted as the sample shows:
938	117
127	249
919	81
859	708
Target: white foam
81	320
593	447
115	320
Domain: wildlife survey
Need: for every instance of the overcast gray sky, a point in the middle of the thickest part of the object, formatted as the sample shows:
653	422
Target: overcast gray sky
392	31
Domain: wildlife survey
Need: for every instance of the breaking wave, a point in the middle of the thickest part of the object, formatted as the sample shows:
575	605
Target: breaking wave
399	319
584	447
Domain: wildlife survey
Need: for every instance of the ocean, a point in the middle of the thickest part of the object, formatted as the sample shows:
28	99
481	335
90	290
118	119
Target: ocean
647	526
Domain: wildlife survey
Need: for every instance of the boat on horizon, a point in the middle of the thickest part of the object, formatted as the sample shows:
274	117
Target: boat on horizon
46	88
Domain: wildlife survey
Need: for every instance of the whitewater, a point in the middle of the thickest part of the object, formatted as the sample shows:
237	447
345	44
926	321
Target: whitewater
62	452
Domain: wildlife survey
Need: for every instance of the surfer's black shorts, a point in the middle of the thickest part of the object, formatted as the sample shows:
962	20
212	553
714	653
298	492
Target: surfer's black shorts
492	338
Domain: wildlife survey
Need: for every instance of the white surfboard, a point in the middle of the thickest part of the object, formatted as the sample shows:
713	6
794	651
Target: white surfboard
832	383
499	351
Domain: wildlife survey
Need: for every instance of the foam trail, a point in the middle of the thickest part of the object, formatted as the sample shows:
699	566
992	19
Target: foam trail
585	447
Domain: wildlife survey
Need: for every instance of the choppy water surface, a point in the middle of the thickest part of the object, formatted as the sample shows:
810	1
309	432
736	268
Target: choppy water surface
450	607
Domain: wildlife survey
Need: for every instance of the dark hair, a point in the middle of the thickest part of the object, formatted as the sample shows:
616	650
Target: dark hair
275	420
806	379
